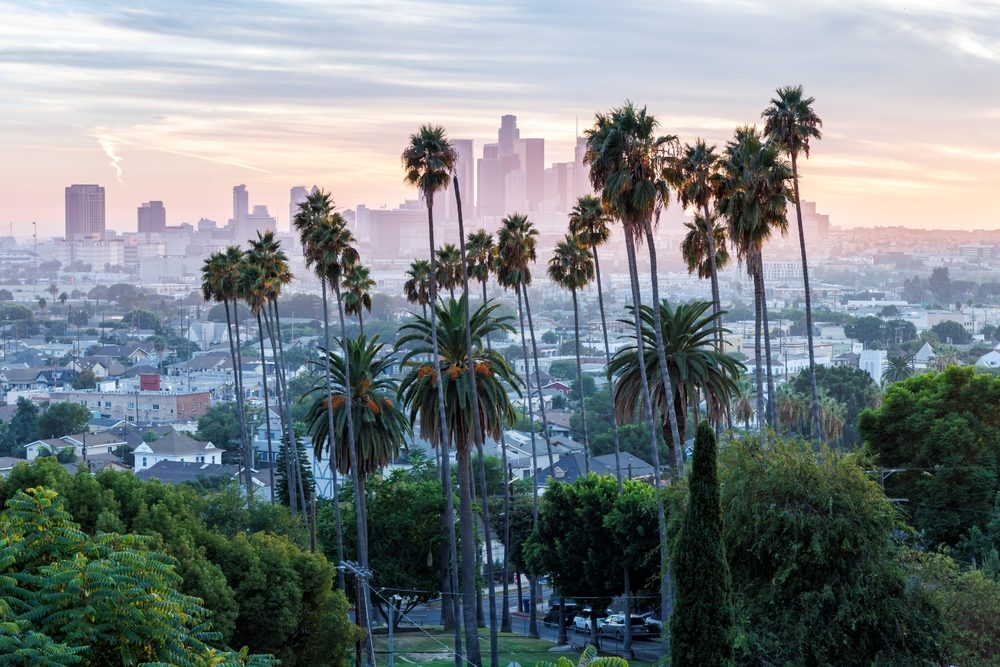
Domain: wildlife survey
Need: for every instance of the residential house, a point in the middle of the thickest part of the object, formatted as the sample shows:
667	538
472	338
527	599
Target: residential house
83	445
177	472
175	446
572	466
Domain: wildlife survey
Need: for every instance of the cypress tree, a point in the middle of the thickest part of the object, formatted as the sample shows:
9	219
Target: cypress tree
703	623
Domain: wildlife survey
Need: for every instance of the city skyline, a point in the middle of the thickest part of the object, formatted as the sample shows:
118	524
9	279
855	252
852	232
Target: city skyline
176	105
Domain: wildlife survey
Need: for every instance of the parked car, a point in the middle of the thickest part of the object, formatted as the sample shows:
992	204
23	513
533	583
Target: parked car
614	626
653	623
581	622
552	615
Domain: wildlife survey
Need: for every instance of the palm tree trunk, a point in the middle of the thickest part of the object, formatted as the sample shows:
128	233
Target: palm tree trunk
241	410
579	380
532	621
332	447
361	321
267	414
237	385
772	413
758	354
666	606
816	432
361	523
299	483
668	390
607	362
286	432
538	377
449	519
713	266
479	437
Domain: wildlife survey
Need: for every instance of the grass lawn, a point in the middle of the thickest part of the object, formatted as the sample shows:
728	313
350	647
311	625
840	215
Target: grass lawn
417	648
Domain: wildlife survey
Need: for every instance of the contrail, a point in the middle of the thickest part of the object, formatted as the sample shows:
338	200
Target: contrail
108	145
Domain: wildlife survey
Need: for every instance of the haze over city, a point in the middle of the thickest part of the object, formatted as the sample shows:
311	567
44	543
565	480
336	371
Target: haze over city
180	103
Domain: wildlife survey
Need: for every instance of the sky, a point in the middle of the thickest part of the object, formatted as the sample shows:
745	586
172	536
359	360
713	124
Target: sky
179	101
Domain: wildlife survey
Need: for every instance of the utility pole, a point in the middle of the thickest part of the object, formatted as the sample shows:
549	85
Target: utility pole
363	575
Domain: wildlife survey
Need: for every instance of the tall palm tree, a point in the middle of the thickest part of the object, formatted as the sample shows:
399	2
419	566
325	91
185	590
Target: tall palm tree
591	222
220	276
791	122
703	252
449	267
626	169
428	161
416	289
898	368
572	268
743	402
481	261
696	366
251	289
752	194
509	276
328	247
358	284
419	391
692	173
479	436
266	252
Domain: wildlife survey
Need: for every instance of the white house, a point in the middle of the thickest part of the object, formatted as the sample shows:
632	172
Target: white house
175	447
989	360
83	445
873	362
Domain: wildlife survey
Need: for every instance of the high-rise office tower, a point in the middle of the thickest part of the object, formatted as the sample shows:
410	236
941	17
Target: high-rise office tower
507	135
151	217
84	211
581	171
296	196
241	202
490	182
531	153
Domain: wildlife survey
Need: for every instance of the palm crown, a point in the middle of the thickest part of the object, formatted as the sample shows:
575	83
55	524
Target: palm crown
692	173
694	247
494	376
480	251
428	161
449	266
327	243
590	221
516	250
358	284
791	121
571	265
417	285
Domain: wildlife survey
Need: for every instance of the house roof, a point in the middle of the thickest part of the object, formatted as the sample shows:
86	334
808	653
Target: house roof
26	374
571	466
175	472
8	462
178	444
92	439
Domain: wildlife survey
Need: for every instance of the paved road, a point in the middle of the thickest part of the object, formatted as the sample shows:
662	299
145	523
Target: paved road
647	651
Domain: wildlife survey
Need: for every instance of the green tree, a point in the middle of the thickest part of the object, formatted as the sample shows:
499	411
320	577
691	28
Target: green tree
220	426
550	338
703	625
449	267
950	331
940	285
791	122
898	368
563	369
481	252
852	387
85	380
808	537
867	330
417	285
63	419
22	429
66	597
943	431
572	267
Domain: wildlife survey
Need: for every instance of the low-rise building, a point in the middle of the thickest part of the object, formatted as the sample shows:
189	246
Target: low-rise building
139	407
176	447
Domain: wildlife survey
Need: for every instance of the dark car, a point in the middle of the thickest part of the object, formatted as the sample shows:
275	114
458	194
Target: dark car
552	615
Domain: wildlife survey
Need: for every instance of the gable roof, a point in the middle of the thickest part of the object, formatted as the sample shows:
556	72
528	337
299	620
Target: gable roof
175	443
175	472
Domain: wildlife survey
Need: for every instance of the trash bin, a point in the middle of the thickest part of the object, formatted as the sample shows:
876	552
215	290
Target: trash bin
526	604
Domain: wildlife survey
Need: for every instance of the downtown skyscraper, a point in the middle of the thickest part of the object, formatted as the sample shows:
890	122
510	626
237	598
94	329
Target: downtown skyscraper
84	212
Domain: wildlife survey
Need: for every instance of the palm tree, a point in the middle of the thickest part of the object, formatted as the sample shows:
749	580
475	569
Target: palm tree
449	267
416	289
791	408
791	122
704	253
898	368
696	366
510	270
692	173
590	221
358	284
481	253
479	435
428	161
266	252
380	425
752	194
572	268
250	286
743	402
832	418
626	169
328	246
419	391
220	276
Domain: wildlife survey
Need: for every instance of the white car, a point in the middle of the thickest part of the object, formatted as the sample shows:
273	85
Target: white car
581	622
614	626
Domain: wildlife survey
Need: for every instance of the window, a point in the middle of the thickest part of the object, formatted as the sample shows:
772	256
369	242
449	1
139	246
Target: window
131	418
109	446
143	461
131	405
156	406
107	404
213	456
